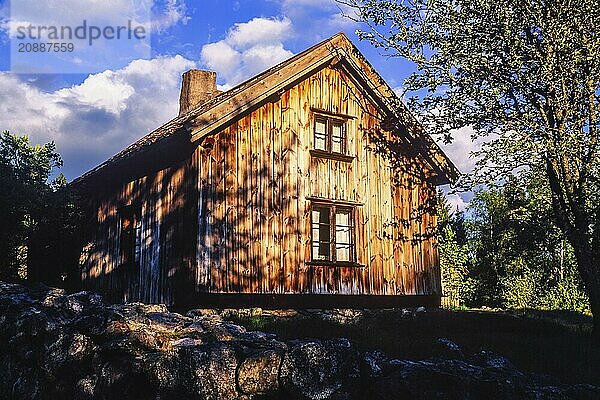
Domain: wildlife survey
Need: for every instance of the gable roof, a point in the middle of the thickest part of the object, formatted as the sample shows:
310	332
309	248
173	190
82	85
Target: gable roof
208	117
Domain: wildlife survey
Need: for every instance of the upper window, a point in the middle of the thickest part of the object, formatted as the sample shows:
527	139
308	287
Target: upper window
330	134
130	235
333	233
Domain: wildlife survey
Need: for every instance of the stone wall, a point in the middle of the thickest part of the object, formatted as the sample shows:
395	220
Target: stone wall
55	345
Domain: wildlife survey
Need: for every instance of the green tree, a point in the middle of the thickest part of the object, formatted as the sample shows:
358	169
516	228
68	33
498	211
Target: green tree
34	208
518	256
453	253
526	75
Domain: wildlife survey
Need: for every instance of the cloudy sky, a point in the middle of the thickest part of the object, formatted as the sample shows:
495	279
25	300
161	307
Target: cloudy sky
92	116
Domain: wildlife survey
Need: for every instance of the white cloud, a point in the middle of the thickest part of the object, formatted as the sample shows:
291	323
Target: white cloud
260	57
248	49
172	13
456	202
259	31
221	57
107	90
461	149
318	19
80	23
158	14
97	118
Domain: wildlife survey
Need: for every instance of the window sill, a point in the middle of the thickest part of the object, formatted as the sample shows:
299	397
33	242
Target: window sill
331	156
317	263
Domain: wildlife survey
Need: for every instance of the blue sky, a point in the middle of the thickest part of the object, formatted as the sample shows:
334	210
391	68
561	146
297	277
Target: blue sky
92	116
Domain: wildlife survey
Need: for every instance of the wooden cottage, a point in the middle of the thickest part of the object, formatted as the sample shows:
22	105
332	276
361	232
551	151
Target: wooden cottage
309	185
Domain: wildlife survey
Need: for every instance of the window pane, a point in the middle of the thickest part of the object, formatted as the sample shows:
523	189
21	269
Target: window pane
321	234
315	254
336	145
337	137
138	240
320	142
342	252
320	127
336	129
342	218
320	135
316	215
342	234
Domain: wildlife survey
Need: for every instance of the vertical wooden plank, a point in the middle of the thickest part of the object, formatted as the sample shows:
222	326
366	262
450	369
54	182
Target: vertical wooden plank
202	251
231	206
397	247
303	125
387	226
289	169
244	220
277	194
218	260
267	197
305	131
257	199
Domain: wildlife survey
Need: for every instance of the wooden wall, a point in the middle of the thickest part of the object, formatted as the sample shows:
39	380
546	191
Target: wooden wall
255	186
235	217
167	226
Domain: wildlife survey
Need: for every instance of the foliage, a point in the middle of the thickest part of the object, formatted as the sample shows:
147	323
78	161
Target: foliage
33	206
453	253
518	258
525	75
505	251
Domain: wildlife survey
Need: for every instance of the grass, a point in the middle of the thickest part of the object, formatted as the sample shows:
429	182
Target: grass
555	343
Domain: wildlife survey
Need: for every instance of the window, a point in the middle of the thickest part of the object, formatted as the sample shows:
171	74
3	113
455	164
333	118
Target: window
333	234
130	235
330	134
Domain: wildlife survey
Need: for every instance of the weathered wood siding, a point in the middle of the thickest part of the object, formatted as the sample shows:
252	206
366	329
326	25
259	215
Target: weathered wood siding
167	230
235	217
255	186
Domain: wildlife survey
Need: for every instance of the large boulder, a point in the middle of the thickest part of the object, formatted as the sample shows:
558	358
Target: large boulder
316	370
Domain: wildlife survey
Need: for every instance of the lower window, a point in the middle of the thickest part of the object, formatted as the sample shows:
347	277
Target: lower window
333	233
130	235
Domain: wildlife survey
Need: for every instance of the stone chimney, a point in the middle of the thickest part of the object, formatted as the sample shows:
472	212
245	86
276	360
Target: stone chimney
198	87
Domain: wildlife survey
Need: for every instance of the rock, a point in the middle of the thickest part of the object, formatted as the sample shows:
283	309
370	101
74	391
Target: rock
491	360
223	331
423	380
84	388
167	321
166	370
445	348
307	371
338	316
420	310
259	371
11	289
68	351
193	330
199	312
185	342
372	364
317	370
55	345
212	371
